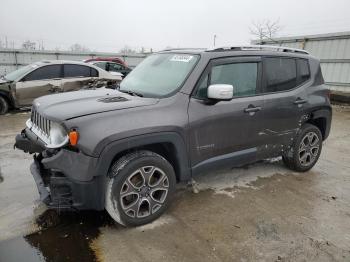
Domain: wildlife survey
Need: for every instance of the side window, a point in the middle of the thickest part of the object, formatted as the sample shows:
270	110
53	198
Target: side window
303	71
45	72
202	89
101	65
115	67
242	76
76	71
94	72
280	74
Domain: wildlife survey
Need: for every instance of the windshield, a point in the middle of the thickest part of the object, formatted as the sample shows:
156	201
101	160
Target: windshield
19	72
159	75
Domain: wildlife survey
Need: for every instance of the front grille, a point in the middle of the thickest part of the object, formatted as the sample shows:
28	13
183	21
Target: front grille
42	124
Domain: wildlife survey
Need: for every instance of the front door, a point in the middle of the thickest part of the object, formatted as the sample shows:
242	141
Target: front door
225	131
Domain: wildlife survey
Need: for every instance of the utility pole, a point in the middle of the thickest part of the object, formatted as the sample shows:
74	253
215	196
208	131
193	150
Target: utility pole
215	39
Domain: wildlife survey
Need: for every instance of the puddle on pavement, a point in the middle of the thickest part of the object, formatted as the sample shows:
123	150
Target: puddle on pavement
67	237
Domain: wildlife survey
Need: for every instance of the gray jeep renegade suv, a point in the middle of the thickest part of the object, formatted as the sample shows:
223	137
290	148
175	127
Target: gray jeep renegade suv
179	113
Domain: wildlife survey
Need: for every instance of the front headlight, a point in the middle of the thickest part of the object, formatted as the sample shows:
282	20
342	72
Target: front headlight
58	136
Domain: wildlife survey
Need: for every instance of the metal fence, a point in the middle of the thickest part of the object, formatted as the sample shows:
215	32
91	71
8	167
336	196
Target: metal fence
11	60
333	50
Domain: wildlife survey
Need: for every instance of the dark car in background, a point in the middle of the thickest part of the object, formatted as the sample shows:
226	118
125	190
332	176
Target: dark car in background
112	67
19	88
109	59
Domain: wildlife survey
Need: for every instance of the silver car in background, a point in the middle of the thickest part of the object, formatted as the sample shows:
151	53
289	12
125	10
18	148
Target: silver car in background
21	87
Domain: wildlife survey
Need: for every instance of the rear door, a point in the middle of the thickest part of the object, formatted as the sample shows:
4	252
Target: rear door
77	76
284	82
42	81
224	130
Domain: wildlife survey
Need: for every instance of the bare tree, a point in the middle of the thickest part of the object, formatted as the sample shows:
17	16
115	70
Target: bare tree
29	45
265	29
127	50
79	48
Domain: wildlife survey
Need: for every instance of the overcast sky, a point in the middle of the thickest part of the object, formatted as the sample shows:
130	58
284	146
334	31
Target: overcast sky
109	25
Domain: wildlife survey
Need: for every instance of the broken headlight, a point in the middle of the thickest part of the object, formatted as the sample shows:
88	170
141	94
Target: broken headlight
58	136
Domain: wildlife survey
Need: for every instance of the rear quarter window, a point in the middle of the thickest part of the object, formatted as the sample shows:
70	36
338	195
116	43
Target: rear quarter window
303	70
94	72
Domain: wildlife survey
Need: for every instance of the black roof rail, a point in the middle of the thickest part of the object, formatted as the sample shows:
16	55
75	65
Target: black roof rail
258	47
181	49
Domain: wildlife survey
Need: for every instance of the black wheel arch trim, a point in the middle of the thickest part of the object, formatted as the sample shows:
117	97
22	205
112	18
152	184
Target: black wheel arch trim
108	154
8	96
325	113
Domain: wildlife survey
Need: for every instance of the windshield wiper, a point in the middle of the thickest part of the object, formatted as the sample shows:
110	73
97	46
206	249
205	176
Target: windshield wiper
133	93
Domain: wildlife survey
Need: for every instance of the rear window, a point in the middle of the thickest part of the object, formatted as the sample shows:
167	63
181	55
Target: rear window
79	71
280	74
45	72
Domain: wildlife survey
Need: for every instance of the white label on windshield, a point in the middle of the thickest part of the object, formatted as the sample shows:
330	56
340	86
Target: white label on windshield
181	58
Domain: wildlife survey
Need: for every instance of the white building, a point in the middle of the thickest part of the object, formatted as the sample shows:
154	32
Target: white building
332	49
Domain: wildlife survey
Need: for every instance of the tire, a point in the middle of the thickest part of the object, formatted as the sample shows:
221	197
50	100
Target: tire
139	188
4	106
306	150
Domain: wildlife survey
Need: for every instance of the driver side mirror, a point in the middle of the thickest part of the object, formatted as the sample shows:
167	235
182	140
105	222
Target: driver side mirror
220	92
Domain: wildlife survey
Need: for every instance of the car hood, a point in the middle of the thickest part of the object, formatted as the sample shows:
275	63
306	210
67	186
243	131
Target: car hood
64	106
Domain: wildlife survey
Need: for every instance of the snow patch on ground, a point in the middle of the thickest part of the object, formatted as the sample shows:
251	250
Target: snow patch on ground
163	220
227	182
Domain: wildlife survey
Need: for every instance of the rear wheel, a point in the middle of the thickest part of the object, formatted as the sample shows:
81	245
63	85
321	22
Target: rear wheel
306	149
140	187
4	106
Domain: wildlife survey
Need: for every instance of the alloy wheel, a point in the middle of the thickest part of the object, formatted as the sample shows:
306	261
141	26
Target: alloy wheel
309	148
143	193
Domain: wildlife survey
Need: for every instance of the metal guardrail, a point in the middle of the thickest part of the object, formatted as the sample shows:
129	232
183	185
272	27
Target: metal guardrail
11	59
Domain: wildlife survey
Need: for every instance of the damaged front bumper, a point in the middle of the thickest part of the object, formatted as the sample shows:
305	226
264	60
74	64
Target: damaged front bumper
64	178
24	141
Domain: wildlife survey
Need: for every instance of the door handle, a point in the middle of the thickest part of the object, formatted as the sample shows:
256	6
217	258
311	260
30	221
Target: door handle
299	101
252	109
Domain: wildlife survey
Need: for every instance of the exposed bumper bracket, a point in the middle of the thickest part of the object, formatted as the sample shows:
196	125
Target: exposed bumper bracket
43	192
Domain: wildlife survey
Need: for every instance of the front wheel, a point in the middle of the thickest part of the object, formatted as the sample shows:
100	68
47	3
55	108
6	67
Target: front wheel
4	106
306	149
139	189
